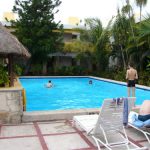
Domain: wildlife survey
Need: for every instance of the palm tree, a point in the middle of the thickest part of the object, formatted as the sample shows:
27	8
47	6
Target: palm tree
145	28
139	56
144	33
95	29
99	36
96	34
103	47
141	3
127	9
121	31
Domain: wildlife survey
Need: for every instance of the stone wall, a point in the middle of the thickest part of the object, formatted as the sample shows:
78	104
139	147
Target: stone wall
11	106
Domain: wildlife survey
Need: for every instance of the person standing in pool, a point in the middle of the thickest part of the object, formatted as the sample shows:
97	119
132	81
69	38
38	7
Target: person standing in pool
131	76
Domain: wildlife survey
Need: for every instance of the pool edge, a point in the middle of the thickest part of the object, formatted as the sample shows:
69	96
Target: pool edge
56	114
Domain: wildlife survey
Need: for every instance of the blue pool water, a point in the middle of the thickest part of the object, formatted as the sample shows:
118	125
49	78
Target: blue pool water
73	93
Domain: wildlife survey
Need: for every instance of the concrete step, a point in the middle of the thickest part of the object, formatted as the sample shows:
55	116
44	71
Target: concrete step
56	115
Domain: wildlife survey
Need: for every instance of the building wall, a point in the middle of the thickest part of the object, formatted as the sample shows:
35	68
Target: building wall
11	106
71	36
63	61
67	37
73	20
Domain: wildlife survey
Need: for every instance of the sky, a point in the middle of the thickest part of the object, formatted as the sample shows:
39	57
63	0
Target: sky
103	9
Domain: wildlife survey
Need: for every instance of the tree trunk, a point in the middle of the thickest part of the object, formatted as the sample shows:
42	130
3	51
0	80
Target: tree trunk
140	12
123	59
28	66
44	71
10	70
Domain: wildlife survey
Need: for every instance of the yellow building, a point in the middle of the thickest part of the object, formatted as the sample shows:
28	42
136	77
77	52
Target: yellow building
9	16
73	20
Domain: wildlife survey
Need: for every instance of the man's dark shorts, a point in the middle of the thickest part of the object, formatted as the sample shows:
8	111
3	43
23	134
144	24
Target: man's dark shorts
131	83
144	117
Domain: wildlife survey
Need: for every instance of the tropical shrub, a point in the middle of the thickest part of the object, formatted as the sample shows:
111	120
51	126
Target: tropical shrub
4	78
148	65
144	78
36	69
70	70
18	70
120	76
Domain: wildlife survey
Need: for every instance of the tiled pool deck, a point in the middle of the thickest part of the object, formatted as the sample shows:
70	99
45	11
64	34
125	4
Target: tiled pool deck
54	135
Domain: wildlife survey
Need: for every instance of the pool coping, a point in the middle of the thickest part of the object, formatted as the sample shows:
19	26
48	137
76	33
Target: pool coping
57	114
122	83
53	115
97	78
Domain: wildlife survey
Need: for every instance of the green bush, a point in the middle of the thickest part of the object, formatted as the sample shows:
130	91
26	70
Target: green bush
144	78
18	70
36	69
69	71
4	78
120	76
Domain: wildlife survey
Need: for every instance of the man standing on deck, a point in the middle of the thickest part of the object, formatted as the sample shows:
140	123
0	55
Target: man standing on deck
131	76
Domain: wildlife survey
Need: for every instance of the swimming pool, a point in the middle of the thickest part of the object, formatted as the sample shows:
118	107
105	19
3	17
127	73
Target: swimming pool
73	93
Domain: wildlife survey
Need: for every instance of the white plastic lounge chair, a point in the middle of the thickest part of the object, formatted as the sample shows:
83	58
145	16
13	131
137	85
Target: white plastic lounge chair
133	123
89	121
108	123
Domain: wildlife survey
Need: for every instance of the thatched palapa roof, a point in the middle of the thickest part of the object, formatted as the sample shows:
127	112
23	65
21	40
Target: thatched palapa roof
9	44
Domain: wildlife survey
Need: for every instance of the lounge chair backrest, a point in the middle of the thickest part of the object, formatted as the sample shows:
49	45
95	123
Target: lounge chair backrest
111	116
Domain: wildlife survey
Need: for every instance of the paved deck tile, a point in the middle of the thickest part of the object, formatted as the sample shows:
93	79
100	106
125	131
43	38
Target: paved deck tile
56	128
65	142
18	130
28	143
55	135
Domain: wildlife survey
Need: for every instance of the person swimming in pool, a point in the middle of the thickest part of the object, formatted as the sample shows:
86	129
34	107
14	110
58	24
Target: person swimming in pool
49	84
90	82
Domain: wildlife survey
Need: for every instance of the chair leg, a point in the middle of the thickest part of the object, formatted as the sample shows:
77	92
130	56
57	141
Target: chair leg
99	148
104	144
147	137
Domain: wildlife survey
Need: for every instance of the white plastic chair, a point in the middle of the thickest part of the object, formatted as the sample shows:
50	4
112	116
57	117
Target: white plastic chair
108	123
87	122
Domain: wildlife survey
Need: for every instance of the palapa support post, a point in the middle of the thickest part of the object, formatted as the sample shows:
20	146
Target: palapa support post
10	70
